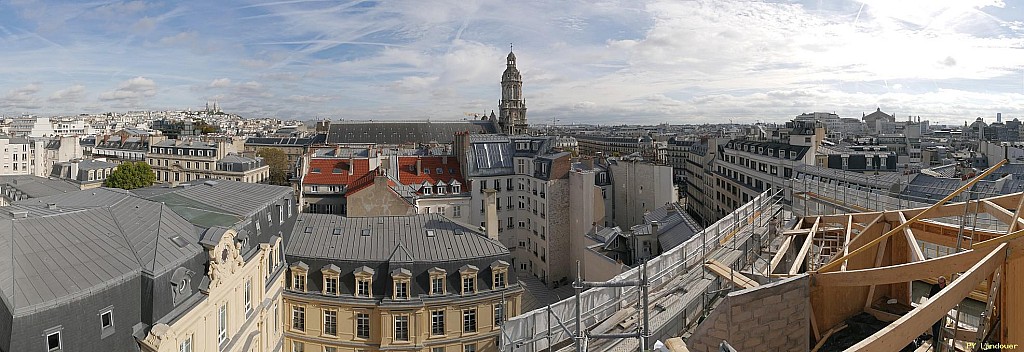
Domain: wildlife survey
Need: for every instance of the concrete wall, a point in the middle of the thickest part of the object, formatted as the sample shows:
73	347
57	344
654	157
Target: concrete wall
773	317
638	187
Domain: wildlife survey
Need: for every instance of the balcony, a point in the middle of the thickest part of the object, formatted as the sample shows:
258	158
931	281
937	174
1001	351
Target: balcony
542	216
534	192
542	194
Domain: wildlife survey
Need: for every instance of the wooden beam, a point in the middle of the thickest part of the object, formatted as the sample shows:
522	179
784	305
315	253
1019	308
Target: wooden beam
780	254
898	334
915	249
1016	215
860	236
737	278
999	240
944	210
930	268
1000	213
827	334
922	214
846	239
879	255
804	249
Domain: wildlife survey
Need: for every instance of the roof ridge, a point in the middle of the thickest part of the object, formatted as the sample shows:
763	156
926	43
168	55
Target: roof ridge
156	244
128	243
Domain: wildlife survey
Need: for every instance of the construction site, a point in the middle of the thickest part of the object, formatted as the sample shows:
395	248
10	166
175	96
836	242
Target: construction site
819	267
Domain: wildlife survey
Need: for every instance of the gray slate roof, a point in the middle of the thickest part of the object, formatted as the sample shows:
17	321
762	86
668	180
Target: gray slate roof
240	199
404	132
674	226
35	186
315	236
89	240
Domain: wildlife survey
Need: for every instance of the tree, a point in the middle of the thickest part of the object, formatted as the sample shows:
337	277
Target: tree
131	175
278	162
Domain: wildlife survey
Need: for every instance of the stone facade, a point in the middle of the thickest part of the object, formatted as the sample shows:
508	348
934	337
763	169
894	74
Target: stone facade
773	317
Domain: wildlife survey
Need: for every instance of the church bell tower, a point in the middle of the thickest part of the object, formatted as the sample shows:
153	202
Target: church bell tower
512	107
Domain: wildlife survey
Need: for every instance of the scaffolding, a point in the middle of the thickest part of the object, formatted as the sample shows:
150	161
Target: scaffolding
662	297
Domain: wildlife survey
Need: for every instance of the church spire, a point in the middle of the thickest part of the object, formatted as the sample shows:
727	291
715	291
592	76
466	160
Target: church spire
512	107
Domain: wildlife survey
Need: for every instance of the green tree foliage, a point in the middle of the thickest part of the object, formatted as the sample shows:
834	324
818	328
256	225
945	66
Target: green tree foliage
131	175
278	162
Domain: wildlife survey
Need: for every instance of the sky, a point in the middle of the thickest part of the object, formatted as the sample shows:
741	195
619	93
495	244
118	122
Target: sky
607	62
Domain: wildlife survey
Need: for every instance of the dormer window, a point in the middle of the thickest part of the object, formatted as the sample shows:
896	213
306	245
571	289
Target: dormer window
437	284
331	275
499	274
440	171
364	282
468	275
456	187
401	278
440	189
299	271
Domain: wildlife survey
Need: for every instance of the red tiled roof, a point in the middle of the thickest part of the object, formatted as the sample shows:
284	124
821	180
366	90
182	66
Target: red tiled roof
449	171
364	182
334	171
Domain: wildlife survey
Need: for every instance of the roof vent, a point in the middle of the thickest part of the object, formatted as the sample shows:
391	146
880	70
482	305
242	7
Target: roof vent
210	183
179	241
365	232
51	206
337	231
459	232
430	233
309	229
19	214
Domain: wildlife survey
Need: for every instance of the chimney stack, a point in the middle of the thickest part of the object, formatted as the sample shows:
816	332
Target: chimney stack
654	227
351	166
491	213
419	166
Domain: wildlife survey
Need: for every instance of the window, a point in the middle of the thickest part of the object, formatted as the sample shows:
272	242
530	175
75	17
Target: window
185	345
456	211
331	322
468	284
330	349
499	279
499	314
362	325
469	320
53	341
222	325
437	284
437	323
331	286
437	349
248	297
299	318
298	347
402	328
401	290
299	282
469	347
363	288
456	188
107	319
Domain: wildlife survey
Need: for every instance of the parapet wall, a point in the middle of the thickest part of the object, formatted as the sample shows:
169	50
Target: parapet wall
772	317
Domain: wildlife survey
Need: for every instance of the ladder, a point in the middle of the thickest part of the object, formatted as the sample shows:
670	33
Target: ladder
986	315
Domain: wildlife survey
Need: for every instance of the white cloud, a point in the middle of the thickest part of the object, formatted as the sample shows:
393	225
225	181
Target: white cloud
132	90
71	94
220	83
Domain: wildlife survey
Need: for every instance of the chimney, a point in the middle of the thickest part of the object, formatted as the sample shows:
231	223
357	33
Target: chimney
444	159
351	166
654	227
419	166
589	162
51	206
491	213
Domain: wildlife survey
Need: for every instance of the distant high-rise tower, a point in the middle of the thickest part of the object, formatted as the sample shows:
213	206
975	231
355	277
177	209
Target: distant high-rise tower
512	107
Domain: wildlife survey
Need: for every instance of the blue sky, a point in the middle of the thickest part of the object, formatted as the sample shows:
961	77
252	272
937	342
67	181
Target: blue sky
582	61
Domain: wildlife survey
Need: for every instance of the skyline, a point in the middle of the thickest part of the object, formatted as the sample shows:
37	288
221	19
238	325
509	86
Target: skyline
609	62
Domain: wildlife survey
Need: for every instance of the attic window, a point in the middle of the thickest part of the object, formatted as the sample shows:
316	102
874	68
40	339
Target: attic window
431	233
336	171
179	241
426	171
365	232
459	232
316	170
440	171
337	231
309	229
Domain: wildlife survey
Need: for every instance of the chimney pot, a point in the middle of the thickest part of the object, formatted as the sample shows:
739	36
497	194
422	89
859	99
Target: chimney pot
491	214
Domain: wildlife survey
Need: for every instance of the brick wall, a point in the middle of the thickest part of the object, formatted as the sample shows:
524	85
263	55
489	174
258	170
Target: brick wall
773	317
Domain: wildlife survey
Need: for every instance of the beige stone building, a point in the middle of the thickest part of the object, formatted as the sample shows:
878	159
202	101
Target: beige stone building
176	161
398	283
